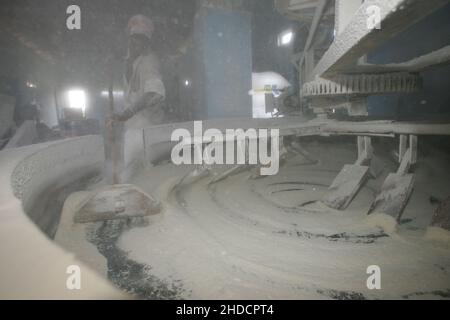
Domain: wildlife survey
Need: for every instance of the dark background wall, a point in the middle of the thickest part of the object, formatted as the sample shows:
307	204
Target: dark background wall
222	64
267	24
36	45
428	35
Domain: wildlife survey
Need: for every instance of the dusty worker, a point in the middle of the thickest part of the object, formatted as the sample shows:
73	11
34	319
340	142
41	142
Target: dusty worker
144	88
144	94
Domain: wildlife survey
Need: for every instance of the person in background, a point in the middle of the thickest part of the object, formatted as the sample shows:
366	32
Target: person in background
29	111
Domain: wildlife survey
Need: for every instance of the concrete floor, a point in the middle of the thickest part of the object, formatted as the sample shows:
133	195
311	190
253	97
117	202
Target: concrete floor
267	238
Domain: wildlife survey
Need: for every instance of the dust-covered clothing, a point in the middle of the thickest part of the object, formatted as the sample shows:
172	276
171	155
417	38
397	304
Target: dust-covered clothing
145	77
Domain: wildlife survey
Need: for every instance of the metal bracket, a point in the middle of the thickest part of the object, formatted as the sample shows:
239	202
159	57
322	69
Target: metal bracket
365	150
398	187
407	155
351	177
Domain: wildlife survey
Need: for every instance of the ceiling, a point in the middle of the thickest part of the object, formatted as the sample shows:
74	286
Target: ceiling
35	41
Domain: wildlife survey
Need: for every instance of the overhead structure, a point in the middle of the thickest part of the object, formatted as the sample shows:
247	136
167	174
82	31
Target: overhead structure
310	12
297	9
356	36
341	78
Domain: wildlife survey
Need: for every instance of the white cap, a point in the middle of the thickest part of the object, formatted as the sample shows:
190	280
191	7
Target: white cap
140	24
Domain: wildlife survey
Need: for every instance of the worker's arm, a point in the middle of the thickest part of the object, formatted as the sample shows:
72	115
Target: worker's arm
148	100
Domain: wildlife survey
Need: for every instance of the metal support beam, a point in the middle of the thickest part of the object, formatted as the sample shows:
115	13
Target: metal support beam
309	64
384	127
365	150
403	142
312	31
357	39
298	126
344	12
433	59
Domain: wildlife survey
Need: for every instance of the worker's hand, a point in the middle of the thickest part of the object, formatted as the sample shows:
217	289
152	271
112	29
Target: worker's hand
109	122
113	119
119	117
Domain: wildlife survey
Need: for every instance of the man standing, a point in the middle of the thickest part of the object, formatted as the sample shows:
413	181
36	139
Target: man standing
144	101
144	89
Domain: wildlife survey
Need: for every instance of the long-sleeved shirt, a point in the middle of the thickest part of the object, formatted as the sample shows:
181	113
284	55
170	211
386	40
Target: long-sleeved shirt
145	78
